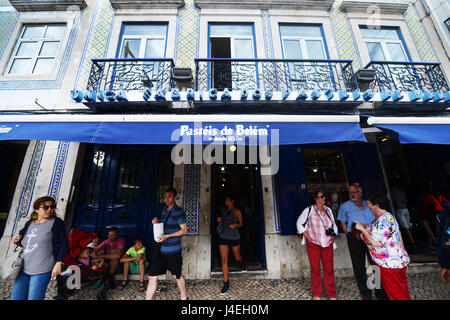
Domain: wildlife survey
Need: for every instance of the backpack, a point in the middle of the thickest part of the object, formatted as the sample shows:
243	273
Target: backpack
444	232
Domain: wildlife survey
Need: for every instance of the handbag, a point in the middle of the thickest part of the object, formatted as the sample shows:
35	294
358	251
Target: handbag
12	265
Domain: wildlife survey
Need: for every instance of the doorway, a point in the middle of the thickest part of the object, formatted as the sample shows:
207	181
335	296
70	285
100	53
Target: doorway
13	154
243	181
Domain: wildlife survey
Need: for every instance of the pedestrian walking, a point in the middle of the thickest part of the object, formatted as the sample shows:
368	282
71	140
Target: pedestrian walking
229	237
386	248
316	224
44	239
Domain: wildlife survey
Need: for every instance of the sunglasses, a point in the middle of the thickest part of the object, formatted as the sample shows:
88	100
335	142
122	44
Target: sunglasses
321	197
53	206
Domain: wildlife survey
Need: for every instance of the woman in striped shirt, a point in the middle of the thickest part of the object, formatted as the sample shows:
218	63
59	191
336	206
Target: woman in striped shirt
316	224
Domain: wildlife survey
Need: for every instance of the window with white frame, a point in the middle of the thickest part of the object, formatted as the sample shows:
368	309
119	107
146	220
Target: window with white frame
230	42
37	49
302	42
383	44
143	41
305	42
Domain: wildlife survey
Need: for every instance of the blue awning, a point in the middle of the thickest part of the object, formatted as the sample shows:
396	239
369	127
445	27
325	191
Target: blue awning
188	129
415	129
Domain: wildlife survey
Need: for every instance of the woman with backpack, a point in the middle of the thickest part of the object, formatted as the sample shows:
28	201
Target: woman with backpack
316	225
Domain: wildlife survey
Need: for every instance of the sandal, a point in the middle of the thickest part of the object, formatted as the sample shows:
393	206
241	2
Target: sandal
141	286
123	285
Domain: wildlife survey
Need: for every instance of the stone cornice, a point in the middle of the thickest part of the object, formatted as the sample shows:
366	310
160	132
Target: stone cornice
147	4
352	6
322	5
48	5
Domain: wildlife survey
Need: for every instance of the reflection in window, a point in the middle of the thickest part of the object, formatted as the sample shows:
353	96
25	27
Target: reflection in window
36	50
325	170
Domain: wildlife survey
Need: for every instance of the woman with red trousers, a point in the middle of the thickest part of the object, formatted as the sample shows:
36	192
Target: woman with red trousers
316	225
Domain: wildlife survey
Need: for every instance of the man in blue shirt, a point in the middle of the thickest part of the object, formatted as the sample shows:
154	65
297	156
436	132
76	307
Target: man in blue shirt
175	226
351	211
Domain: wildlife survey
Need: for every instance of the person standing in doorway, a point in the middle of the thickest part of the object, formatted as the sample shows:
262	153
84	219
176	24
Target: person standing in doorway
45	244
229	237
316	225
175	227
350	212
400	202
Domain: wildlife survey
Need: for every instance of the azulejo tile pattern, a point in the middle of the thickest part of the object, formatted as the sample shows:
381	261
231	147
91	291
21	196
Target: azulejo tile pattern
191	196
97	41
46	84
187	36
30	180
347	46
267	30
8	20
58	169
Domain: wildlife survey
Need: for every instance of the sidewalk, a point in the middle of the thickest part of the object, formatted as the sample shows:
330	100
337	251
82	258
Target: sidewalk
422	286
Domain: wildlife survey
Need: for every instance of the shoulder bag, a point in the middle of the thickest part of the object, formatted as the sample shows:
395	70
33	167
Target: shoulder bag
13	264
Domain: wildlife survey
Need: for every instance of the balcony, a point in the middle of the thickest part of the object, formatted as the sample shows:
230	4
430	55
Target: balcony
274	74
130	74
408	76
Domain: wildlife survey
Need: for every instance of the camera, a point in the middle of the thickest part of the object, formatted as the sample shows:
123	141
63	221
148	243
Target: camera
330	232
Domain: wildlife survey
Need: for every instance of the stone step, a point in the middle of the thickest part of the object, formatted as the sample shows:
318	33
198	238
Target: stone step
242	275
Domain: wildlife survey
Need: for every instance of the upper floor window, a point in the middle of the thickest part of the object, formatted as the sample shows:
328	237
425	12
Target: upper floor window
143	41
36	50
384	44
302	42
231	41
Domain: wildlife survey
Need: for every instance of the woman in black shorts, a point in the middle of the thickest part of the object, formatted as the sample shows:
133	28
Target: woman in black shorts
230	237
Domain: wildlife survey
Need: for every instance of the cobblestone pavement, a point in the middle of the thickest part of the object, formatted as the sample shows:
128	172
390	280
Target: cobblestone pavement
422	286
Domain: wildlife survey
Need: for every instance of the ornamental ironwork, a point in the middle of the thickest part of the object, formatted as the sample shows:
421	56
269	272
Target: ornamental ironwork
408	76
131	74
274	74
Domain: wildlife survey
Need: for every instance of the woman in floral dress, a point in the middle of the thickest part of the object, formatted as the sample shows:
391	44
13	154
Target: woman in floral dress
385	245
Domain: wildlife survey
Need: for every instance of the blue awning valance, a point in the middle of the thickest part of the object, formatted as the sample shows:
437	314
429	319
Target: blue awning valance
415	129
188	129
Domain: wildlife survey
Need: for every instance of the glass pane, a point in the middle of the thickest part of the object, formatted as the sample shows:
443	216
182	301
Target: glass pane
154	48
55	31
375	51
292	49
20	66
130	48
44	66
26	49
33	32
300	31
230	30
243	49
385	34
144	30
314	49
49	48
396	52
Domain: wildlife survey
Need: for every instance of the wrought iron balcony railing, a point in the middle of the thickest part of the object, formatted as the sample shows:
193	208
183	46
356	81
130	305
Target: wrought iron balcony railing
274	74
131	74
408	76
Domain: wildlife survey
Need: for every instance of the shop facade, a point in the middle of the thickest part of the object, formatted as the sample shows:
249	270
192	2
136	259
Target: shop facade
92	141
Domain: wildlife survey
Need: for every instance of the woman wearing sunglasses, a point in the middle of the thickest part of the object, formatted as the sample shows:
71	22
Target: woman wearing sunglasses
44	240
316	224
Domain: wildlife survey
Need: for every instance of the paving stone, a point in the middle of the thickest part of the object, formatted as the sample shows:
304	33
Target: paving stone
422	286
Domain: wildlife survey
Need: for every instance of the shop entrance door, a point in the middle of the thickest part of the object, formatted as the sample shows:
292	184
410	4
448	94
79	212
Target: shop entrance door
123	186
244	183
